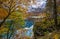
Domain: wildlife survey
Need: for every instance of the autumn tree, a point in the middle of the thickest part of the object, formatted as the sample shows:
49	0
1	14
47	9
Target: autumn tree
10	6
14	12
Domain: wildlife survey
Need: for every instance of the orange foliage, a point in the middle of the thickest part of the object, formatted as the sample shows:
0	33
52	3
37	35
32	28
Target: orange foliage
3	13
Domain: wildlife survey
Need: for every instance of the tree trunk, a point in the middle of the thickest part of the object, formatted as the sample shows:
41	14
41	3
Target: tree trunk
55	12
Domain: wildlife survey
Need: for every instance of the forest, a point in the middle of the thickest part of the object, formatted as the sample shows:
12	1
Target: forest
29	19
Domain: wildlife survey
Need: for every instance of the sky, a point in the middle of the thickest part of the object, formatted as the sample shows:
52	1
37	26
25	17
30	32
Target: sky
38	6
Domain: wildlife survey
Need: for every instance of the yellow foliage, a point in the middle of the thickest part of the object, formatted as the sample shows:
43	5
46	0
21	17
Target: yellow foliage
3	30
15	15
56	36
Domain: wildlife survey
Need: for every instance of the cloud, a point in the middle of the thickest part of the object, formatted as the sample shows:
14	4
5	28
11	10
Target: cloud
38	6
